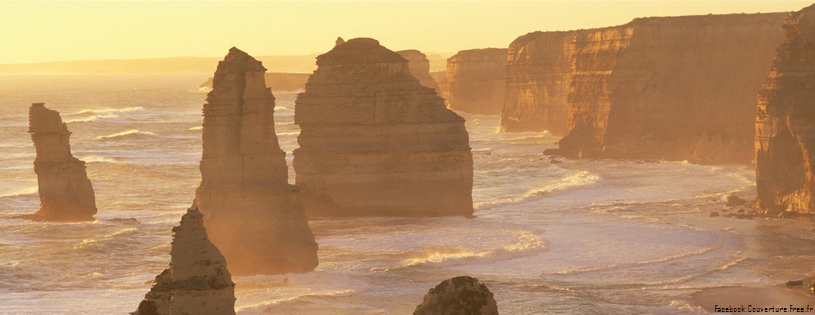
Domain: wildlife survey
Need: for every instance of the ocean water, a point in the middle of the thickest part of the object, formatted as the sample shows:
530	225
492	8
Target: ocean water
576	237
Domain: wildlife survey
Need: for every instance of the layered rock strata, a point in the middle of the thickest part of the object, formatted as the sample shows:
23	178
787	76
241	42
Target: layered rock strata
785	122
442	89
277	81
670	88
419	67
197	281
476	80
66	193
458	296
252	214
375	142
539	72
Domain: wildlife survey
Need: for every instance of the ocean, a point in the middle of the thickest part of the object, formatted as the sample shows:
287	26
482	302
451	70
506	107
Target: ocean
574	237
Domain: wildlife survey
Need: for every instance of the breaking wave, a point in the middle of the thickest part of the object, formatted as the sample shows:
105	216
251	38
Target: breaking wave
126	133
578	179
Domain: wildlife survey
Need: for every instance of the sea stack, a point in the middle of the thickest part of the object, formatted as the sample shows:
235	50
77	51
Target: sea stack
197	281
458	296
785	122
419	67
476	80
375	142
670	88
252	214
65	191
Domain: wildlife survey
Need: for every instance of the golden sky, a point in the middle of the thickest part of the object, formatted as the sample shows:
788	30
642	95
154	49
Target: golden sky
50	31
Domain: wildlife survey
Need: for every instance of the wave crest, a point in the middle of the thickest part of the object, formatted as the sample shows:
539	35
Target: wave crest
126	133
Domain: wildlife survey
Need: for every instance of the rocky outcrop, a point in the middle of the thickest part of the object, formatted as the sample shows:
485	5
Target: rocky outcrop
65	191
252	214
375	142
197	281
476	80
442	89
458	296
419	67
785	122
277	81
539	72
670	88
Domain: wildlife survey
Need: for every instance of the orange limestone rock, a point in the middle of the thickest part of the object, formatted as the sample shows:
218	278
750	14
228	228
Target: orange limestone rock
458	296
375	142
197	281
670	88
785	122
65	191
476	80
252	214
539	72
419	67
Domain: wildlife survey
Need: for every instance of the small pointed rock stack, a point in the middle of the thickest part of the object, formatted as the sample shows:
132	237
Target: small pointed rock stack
785	123
197	281
65	191
419	67
458	296
375	142
252	214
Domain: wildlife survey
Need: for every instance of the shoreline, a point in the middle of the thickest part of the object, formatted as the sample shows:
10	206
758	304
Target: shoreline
776	296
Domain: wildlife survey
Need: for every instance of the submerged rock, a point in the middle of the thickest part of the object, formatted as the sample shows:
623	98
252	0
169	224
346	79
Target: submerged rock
197	281
66	193
785	122
252	214
375	142
476	80
735	201
458	296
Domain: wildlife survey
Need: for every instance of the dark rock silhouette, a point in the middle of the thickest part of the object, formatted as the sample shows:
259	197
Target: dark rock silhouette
252	214
66	193
785	122
458	296
375	142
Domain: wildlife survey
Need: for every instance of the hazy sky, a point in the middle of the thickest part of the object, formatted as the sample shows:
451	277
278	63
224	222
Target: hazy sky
49	31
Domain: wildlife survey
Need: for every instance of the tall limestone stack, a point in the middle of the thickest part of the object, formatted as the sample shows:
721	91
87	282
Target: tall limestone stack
785	122
458	296
670	88
197	281
252	214
65	191
375	142
419	67
539	72
476	80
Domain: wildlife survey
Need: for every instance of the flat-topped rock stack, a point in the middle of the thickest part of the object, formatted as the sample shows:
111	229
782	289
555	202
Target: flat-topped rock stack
197	281
476	80
419	67
252	214
785	122
66	193
375	142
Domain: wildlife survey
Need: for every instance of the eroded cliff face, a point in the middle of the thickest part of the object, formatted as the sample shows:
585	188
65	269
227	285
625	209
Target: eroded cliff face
197	281
252	214
539	72
670	88
65	191
476	80
458	296
375	142
785	122
419	67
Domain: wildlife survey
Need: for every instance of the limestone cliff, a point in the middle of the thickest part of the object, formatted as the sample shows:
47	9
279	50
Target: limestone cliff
375	142
785	122
277	81
539	72
476	80
252	214
65	191
458	296
442	88
419	67
670	88
197	281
